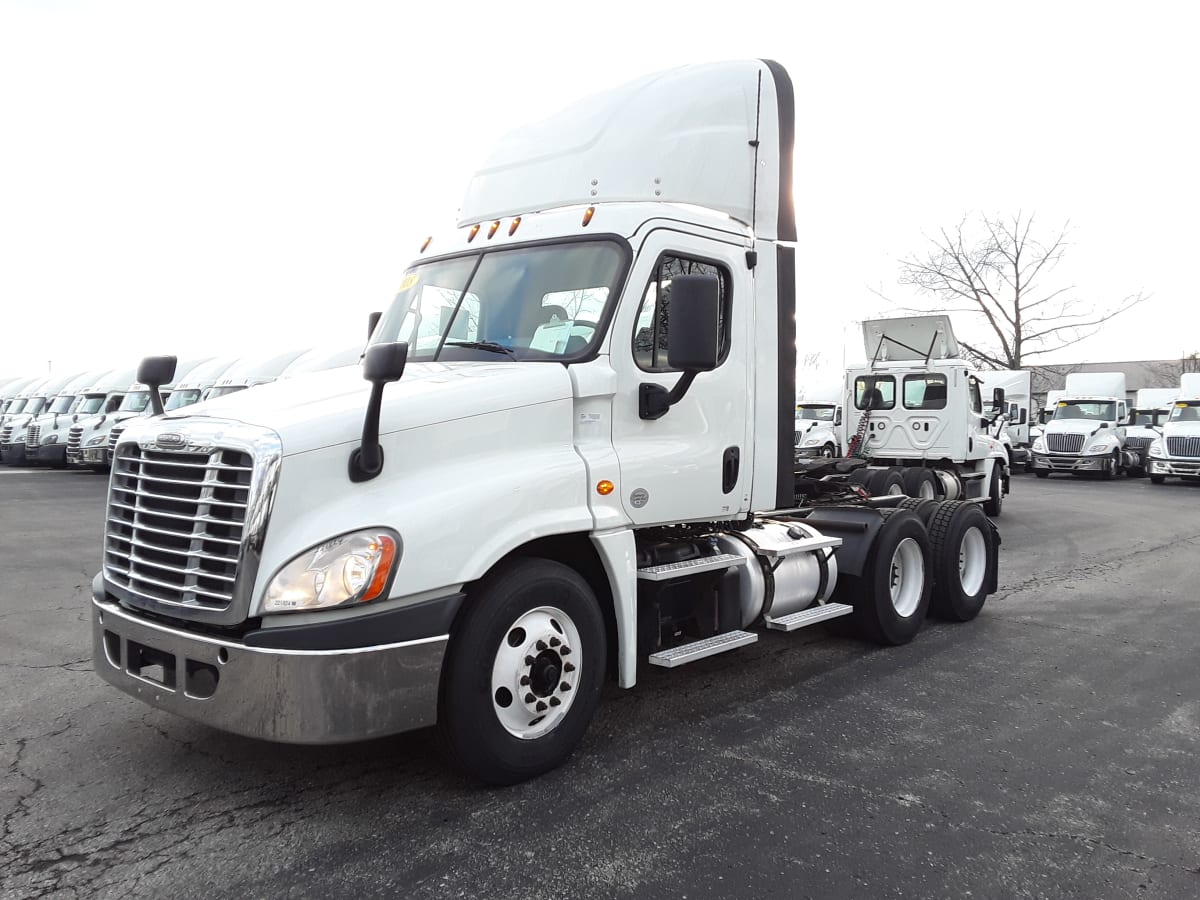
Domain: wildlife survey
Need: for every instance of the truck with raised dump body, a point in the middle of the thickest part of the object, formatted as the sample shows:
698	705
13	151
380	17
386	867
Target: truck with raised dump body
1177	451
916	414
568	451
1087	432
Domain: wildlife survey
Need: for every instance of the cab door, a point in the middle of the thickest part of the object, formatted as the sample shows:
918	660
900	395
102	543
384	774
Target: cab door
695	461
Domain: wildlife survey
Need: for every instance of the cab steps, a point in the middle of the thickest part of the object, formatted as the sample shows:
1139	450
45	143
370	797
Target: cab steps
810	616
669	571
686	653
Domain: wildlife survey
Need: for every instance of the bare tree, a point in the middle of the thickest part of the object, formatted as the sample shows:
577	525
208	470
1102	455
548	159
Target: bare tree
998	269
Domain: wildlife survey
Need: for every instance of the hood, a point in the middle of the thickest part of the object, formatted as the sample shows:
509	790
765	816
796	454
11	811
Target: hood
1181	429
1076	426
909	338
322	409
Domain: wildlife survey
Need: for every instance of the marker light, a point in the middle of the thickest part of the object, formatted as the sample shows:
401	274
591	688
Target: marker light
425	246
604	488
492	230
474	231
587	215
516	223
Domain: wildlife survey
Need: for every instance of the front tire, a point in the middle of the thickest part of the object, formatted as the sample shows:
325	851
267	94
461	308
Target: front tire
994	504
523	672
1041	473
1157	479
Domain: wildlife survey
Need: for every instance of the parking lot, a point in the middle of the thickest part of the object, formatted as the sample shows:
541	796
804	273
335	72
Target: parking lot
1047	749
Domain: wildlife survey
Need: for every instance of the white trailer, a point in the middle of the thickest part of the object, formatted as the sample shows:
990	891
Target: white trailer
917	415
1087	433
583	460
1177	452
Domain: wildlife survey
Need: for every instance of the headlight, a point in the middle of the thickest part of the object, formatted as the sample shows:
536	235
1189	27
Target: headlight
50	439
98	439
353	568
1156	449
1040	445
812	442
1101	447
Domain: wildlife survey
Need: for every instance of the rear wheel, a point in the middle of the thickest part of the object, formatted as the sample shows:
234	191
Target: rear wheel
886	482
921	483
523	672
891	596
960	536
923	508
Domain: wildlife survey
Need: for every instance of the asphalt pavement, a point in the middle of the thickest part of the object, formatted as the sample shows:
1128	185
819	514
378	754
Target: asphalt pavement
1047	749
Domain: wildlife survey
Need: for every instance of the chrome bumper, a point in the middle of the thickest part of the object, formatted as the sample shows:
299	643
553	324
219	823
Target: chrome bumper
292	696
1172	466
94	456
1062	462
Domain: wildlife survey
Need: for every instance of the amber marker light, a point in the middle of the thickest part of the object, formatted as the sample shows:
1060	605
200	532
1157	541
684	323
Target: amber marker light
425	246
587	215
474	231
516	223
492	230
604	488
386	548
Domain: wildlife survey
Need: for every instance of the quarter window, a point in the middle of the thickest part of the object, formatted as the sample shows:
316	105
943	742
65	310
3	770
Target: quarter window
875	392
654	316
925	391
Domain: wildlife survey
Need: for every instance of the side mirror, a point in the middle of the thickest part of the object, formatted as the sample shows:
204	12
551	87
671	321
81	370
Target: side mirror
837	416
693	341
383	364
372	321
998	398
1023	418
155	371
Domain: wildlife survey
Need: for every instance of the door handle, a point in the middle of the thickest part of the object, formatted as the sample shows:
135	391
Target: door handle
730	463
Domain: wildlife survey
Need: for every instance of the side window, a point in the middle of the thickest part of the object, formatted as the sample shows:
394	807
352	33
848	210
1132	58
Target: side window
976	400
875	392
925	391
1122	415
654	316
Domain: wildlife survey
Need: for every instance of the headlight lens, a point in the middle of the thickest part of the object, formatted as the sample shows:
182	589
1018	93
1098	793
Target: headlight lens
1100	447
353	568
1039	445
98	439
1156	449
50	439
812	442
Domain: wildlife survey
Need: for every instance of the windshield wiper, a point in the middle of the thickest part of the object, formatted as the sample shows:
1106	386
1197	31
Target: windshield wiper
489	346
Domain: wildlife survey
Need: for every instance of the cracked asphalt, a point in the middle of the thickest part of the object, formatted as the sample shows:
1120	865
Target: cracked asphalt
1047	749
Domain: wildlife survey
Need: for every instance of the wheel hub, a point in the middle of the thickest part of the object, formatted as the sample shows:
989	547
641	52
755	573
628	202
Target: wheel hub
535	672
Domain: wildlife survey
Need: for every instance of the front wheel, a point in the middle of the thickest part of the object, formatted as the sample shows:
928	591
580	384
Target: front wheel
994	504
828	451
523	672
1041	473
1157	479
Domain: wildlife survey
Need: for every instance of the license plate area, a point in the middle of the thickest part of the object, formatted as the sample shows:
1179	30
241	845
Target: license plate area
150	664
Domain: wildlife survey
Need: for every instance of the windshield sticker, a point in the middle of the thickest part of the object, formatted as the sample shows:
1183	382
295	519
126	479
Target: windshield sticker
409	281
1181	406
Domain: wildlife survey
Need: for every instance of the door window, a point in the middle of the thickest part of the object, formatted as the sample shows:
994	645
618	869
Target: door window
654	317
875	392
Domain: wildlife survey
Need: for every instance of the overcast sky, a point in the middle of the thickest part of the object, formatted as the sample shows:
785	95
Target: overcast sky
220	177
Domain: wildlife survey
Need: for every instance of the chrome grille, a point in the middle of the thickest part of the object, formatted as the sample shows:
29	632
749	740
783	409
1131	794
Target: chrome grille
176	523
6	434
114	435
1064	443
33	436
74	442
1183	446
1137	443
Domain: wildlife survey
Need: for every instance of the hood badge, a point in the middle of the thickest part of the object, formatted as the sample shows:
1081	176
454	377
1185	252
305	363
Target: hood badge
170	440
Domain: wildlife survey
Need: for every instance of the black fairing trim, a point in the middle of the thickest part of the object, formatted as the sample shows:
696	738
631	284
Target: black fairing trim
430	618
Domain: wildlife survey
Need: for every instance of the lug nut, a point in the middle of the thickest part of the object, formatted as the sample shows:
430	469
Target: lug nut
564	687
568	667
529	660
529	698
541	707
565	651
554	642
524	680
554	701
541	645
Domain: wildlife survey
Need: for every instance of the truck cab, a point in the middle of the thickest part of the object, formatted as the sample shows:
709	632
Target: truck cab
1010	423
37	400
568	451
253	371
1087	432
1176	452
1151	409
917	415
818	427
46	435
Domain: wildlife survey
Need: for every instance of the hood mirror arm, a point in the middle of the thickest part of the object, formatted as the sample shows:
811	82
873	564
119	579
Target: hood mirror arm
383	363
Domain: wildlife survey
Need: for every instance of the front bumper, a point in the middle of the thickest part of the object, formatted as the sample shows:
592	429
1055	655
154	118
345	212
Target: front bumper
1065	462
1172	466
293	696
94	456
48	454
809	452
12	454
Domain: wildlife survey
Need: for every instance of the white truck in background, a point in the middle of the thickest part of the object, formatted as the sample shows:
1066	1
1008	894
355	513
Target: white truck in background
251	372
818	429
39	398
1151	408
534	502
1177	451
1010	424
1044	415
916	413
91	431
46	435
1087	433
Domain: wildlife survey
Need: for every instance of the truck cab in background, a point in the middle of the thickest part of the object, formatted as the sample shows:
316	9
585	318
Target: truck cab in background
90	432
1177	451
916	413
38	400
818	430
252	371
1087	433
1151	409
13	394
46	435
1010	424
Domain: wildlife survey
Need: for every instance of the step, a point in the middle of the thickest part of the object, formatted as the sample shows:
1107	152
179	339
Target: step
679	656
667	571
804	545
810	616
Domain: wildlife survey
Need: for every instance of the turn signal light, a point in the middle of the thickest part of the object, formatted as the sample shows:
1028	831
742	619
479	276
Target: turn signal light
587	215
604	488
516	223
492	230
474	231
425	246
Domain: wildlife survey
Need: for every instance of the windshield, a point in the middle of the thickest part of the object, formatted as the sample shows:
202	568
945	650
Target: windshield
1147	417
90	404
226	389
1094	410
135	401
1185	412
17	405
183	398
531	303
62	403
814	413
34	406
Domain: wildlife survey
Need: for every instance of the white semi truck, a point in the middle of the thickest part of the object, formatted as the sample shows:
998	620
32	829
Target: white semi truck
1087	433
1151	409
1177	451
90	432
818	430
917	415
568	450
1010	424
46	435
253	371
39	398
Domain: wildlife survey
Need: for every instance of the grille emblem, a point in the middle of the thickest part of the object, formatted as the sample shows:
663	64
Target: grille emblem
170	439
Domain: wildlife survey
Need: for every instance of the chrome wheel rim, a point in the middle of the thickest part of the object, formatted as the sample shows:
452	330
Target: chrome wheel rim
972	561
535	674
907	577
